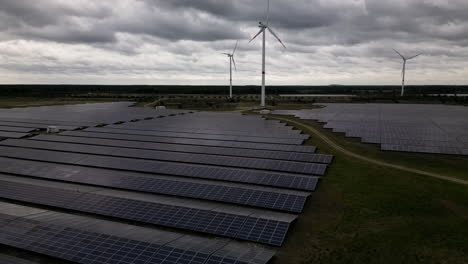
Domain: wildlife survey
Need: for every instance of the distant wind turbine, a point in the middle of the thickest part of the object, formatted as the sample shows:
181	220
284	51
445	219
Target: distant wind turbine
231	61
403	72
263	28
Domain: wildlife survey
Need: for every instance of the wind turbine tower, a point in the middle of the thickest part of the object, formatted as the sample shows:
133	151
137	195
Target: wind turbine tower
403	72
231	61
263	27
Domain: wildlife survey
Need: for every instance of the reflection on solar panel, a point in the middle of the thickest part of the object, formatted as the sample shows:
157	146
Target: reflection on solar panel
293	181
397	127
218	174
246	227
236	194
85	240
156	126
274	165
264	154
82	115
197	136
188	141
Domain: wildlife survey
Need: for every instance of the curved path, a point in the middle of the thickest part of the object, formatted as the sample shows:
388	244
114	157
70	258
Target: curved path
373	161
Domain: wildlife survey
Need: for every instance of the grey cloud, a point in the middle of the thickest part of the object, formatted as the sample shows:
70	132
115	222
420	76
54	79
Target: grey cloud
184	37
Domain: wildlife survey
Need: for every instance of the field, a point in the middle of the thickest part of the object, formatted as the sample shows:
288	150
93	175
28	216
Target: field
363	213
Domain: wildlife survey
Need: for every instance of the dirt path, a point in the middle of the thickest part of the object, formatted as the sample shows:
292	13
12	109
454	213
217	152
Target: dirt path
373	161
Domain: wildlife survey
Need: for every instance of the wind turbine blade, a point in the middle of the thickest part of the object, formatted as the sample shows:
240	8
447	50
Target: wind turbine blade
399	54
268	13
234	62
261	30
226	54
235	48
273	33
414	56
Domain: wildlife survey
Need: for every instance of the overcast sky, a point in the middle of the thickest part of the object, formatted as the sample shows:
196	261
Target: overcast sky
181	41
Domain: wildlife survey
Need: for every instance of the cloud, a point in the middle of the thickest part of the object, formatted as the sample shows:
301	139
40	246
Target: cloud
180	41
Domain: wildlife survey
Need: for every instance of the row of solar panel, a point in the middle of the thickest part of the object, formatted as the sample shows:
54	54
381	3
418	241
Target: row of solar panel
239	162
80	240
4	134
23	121
264	154
246	227
154	126
188	141
424	149
283	180
206	120
236	194
200	120
287	141
61	124
403	136
16	129
37	126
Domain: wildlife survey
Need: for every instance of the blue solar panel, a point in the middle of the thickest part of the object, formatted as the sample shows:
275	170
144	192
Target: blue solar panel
133	181
214	150
293	181
188	141
207	159
206	221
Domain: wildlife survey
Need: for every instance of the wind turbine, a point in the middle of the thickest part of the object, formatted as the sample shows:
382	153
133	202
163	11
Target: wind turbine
403	72
231	61
263	27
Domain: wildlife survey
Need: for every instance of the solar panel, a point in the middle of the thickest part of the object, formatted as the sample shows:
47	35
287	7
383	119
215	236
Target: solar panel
263	164
200	220
155	126
290	141
81	240
236	194
5	134
187	141
265	154
16	129
398	127
293	181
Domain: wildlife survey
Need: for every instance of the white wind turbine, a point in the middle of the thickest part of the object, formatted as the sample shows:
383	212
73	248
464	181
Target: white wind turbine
231	61
263	28
403	72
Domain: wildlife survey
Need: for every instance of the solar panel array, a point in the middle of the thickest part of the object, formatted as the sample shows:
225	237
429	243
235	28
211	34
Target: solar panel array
83	239
437	129
19	122
209	178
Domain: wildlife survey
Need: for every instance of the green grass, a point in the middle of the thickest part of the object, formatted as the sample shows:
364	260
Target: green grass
363	213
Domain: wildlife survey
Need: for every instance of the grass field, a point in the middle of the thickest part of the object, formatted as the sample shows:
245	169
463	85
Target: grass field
362	213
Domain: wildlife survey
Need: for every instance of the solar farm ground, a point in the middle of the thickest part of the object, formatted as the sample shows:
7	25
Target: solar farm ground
360	212
367	213
122	184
